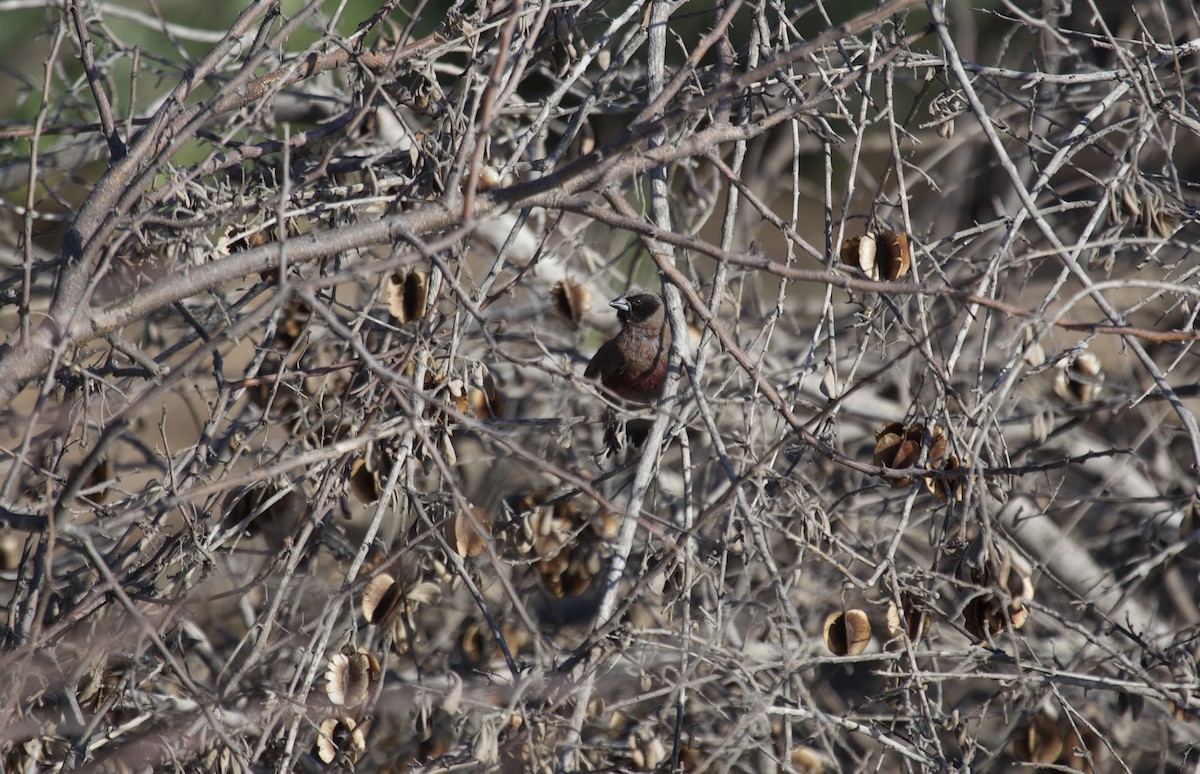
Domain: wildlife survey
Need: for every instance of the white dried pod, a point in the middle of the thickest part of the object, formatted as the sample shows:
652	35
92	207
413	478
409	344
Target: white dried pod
484	746
340	738
847	633
489	177
349	678
1078	380
380	598
426	593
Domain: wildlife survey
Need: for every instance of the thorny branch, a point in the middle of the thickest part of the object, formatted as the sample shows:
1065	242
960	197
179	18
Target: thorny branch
300	469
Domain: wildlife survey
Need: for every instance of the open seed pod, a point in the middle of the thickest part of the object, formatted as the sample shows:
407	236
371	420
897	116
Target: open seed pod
467	388
1078	380
569	544
380	598
101	474
407	295
1008	582
1083	750
349	678
563	45
292	322
266	511
806	760
899	447
11	549
571	299
467	533
847	633
1039	741
570	549
1016	577
364	483
885	256
982	617
340	739
483	398
940	458
909	619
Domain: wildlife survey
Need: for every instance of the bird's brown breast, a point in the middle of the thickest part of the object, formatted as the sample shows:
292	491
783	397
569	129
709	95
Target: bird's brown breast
633	364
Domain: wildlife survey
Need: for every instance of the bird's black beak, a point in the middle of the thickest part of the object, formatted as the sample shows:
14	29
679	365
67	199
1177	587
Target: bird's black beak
621	304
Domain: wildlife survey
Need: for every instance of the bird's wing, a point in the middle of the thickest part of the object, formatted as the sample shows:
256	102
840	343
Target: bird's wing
607	361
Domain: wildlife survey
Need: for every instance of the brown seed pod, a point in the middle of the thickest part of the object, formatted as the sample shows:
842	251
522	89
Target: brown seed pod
483	399
1015	576
349	678
467	532
939	458
1083	753
1039	741
380	598
340	739
571	299
847	633
982	619
885	257
363	481
806	760
10	551
274	515
408	295
489	178
101	474
292	322
1078	380
910	619
899	447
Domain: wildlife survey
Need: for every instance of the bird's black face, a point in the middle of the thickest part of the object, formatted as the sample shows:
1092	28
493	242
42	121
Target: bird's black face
637	308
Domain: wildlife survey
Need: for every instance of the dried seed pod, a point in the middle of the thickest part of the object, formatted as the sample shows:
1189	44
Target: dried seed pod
1083	750
910	619
1079	379
467	532
363	481
10	551
899	447
939	458
292	322
571	299
565	45
1016	577
646	751
340	739
483	399
349	677
1039	741
489	177
982	619
380	598
485	748
101	474
425	593
847	633
274	514
806	760
408	295
885	256
859	252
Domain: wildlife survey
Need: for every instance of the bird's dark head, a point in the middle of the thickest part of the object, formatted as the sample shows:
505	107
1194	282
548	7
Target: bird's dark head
637	308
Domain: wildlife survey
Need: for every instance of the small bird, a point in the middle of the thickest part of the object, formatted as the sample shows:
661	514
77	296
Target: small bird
633	364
